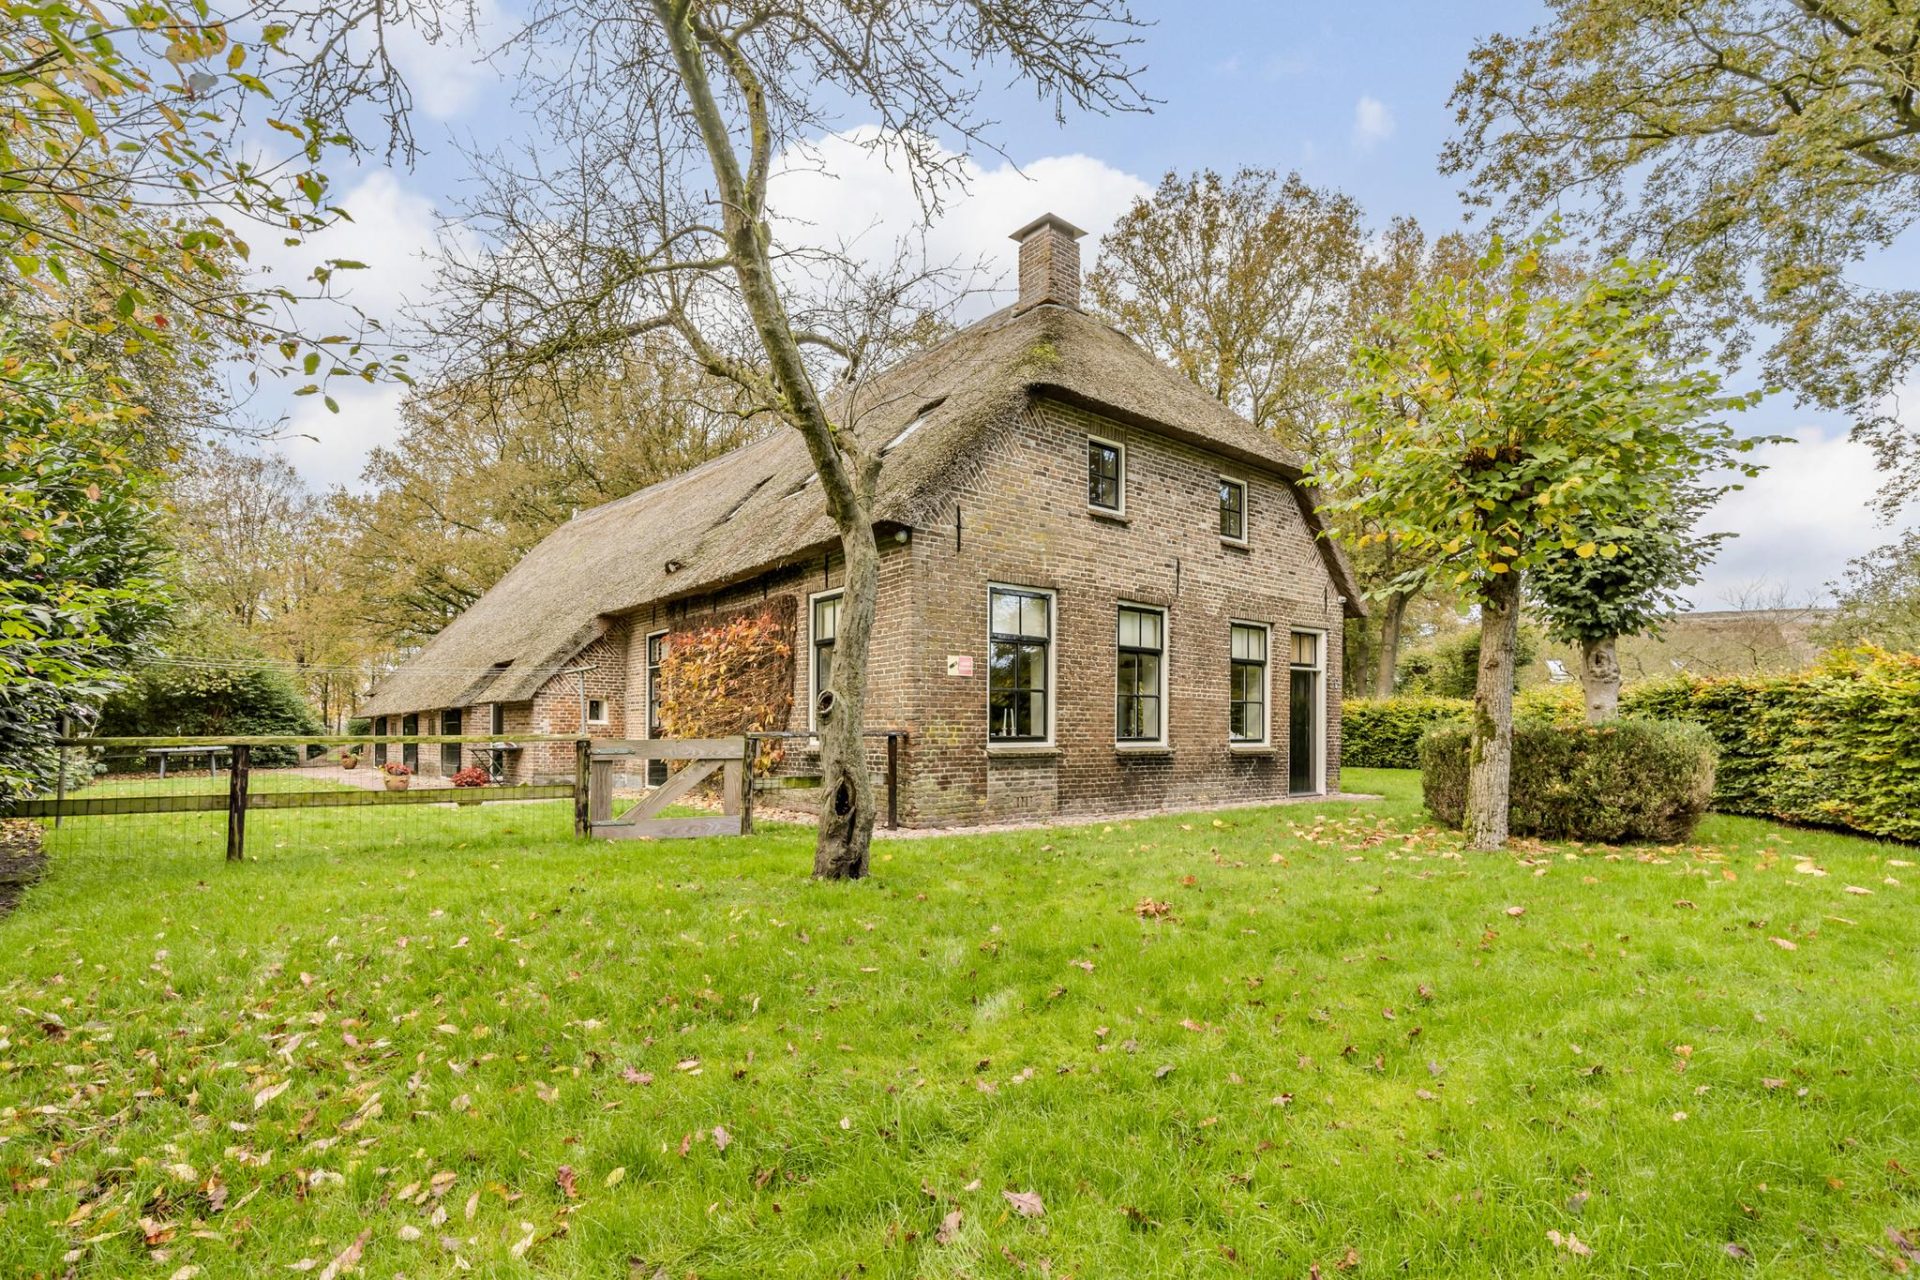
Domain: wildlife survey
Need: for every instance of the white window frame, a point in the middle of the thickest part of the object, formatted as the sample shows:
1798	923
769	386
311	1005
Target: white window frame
1119	511
646	685
602	717
1053	673
1319	706
1166	649
813	670
1265	740
1246	515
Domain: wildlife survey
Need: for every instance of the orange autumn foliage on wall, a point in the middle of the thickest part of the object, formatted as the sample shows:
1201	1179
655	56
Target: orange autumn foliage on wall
732	676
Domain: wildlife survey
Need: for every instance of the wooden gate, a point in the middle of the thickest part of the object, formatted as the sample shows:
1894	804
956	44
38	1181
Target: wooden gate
703	757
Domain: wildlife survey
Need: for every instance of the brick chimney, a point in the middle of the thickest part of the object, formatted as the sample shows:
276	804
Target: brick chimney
1049	262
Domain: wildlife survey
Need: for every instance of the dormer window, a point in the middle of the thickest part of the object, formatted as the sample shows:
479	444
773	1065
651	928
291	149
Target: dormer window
1106	476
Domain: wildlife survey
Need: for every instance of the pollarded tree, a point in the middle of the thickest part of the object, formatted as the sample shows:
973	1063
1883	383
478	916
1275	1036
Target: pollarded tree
1591	602
1545	420
645	210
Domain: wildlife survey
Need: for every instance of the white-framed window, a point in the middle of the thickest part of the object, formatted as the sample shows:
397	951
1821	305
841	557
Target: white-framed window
1106	476
823	630
1233	510
1019	665
656	652
1306	712
1140	684
596	710
1248	687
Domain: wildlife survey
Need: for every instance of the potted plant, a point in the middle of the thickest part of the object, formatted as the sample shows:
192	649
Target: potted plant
398	775
349	759
471	776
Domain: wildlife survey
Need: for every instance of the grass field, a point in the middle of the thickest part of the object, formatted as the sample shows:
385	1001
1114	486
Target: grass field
1249	1044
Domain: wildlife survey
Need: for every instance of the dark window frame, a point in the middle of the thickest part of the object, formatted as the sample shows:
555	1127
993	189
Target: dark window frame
656	652
1025	643
1233	515
1100	475
1132	700
450	752
410	751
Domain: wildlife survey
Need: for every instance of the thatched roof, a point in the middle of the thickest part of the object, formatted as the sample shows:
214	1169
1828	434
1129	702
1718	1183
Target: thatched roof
758	509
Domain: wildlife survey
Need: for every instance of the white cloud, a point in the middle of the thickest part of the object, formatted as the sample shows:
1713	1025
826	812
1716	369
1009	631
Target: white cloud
839	190
392	231
1372	122
1798	523
331	448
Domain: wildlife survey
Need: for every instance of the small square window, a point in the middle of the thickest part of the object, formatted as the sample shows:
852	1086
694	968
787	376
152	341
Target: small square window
1106	475
1233	510
596	711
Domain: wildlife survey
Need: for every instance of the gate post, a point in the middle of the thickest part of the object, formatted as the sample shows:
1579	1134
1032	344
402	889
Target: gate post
237	803
582	783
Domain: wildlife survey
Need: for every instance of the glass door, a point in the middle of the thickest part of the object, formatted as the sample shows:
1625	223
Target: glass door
450	751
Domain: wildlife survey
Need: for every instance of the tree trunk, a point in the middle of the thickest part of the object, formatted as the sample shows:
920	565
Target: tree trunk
846	784
1393	612
1490	759
1600	678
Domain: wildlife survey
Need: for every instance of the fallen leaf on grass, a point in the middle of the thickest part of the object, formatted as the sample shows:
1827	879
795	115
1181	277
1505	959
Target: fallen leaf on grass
1737	1252
187	1272
563	1176
1516	912
618	1176
1026	1203
949	1228
636	1077
721	1138
347	1259
1785	944
1349	1260
525	1242
269	1093
1571	1243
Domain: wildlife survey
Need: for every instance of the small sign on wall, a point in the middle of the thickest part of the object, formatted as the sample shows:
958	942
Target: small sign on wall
959	664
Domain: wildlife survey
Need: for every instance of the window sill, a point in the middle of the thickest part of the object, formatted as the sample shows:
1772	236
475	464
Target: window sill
1111	517
1251	749
1135	750
1023	751
1235	544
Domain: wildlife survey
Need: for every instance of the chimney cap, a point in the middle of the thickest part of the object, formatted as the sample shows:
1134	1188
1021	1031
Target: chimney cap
1045	220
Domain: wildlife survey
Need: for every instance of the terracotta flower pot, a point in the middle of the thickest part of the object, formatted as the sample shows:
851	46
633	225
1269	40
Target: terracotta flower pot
349	762
397	784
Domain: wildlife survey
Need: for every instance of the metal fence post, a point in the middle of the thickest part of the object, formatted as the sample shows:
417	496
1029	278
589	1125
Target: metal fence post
582	785
60	780
237	804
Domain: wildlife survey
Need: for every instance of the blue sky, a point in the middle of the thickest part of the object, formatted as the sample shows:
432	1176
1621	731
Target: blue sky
1353	97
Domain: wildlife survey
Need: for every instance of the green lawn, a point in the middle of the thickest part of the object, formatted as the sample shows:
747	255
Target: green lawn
1242	1045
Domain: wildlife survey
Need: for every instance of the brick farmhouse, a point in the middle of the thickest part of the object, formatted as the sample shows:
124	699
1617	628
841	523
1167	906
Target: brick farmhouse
1101	591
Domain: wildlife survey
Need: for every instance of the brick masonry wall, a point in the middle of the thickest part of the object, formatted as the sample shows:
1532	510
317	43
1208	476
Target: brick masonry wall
1024	521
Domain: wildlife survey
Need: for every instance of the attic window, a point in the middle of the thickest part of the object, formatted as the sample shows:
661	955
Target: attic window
503	664
919	420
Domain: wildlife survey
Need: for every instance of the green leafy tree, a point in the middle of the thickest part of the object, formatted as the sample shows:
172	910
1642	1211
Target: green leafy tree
1243	285
1547	420
1879	599
80	564
1765	148
1591	602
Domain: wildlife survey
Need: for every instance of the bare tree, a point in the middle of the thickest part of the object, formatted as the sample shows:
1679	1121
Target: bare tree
644	210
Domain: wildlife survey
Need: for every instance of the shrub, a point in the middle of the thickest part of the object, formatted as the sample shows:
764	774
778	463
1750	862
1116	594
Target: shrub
472	776
1553	703
244	695
1621	781
1384	733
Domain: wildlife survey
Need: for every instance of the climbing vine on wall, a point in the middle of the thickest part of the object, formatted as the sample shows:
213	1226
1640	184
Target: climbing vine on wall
733	675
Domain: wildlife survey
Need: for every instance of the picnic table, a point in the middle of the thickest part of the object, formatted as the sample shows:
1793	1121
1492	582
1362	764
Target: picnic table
211	753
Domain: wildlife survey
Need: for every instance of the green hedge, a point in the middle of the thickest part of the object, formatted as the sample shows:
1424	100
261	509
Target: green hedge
1621	781
1384	733
1837	745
